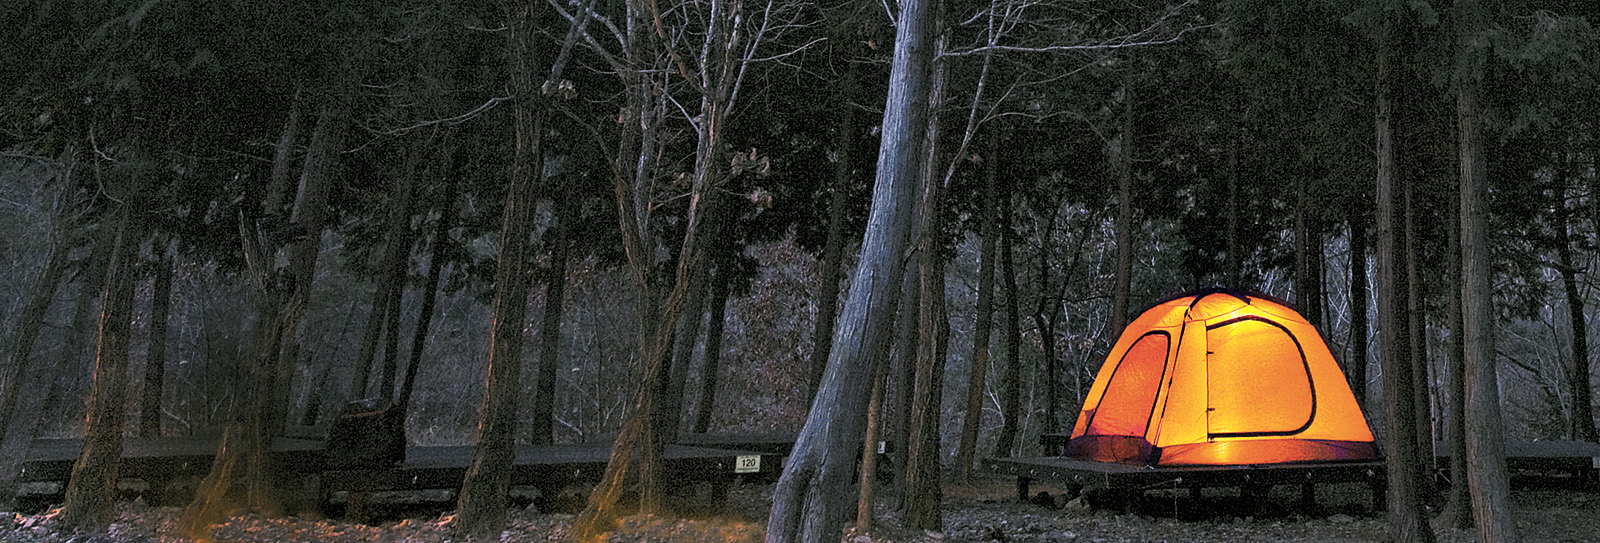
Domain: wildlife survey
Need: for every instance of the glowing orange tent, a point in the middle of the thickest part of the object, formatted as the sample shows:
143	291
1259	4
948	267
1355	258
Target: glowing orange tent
1220	377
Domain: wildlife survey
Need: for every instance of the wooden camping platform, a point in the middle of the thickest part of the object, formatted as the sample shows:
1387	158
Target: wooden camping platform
51	460
1126	479
1579	459
160	462
546	467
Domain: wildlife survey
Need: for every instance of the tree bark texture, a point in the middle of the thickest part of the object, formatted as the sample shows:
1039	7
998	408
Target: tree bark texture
923	494
869	455
1402	455
1486	467
481	508
92	491
812	501
1417	321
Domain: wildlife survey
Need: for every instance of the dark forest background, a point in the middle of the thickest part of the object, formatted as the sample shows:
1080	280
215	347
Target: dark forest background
214	152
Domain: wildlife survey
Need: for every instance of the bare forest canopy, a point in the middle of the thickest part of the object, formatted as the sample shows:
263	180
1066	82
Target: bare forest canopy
290	205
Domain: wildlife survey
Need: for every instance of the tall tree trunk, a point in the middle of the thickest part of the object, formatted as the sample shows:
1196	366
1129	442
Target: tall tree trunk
481	508
1486	464
1417	320
1011	384
900	383
371	338
1458	505
833	249
686	337
1308	254
636	452
972	419
1405	508
242	451
430	293
922	491
155	360
397	258
92	490
310	212
80	334
1124	156
1581	427
20	413
711	366
1356	366
555	290
812	501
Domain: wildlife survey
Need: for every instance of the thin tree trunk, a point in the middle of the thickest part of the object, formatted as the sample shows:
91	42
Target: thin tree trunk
1458	505
1356	366
900	383
972	418
1308	255
430	294
1235	272
396	260
155	361
555	289
1581	426
1405	508
1418	323
711	366
812	501
1124	155
869	455
370	340
686	337
1486	464
833	249
1011	387
71	366
19	413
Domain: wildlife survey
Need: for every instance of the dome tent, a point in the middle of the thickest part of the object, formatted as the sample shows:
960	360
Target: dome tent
1220	377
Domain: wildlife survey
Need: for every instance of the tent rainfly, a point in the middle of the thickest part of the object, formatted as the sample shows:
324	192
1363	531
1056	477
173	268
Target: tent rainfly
1220	378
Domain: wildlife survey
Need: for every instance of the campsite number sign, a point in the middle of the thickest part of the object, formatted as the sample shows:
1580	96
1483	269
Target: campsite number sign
747	463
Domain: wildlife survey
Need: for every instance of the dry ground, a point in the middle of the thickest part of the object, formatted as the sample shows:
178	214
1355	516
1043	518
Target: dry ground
985	511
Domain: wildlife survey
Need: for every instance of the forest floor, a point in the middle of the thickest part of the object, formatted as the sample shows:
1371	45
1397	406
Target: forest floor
984	511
